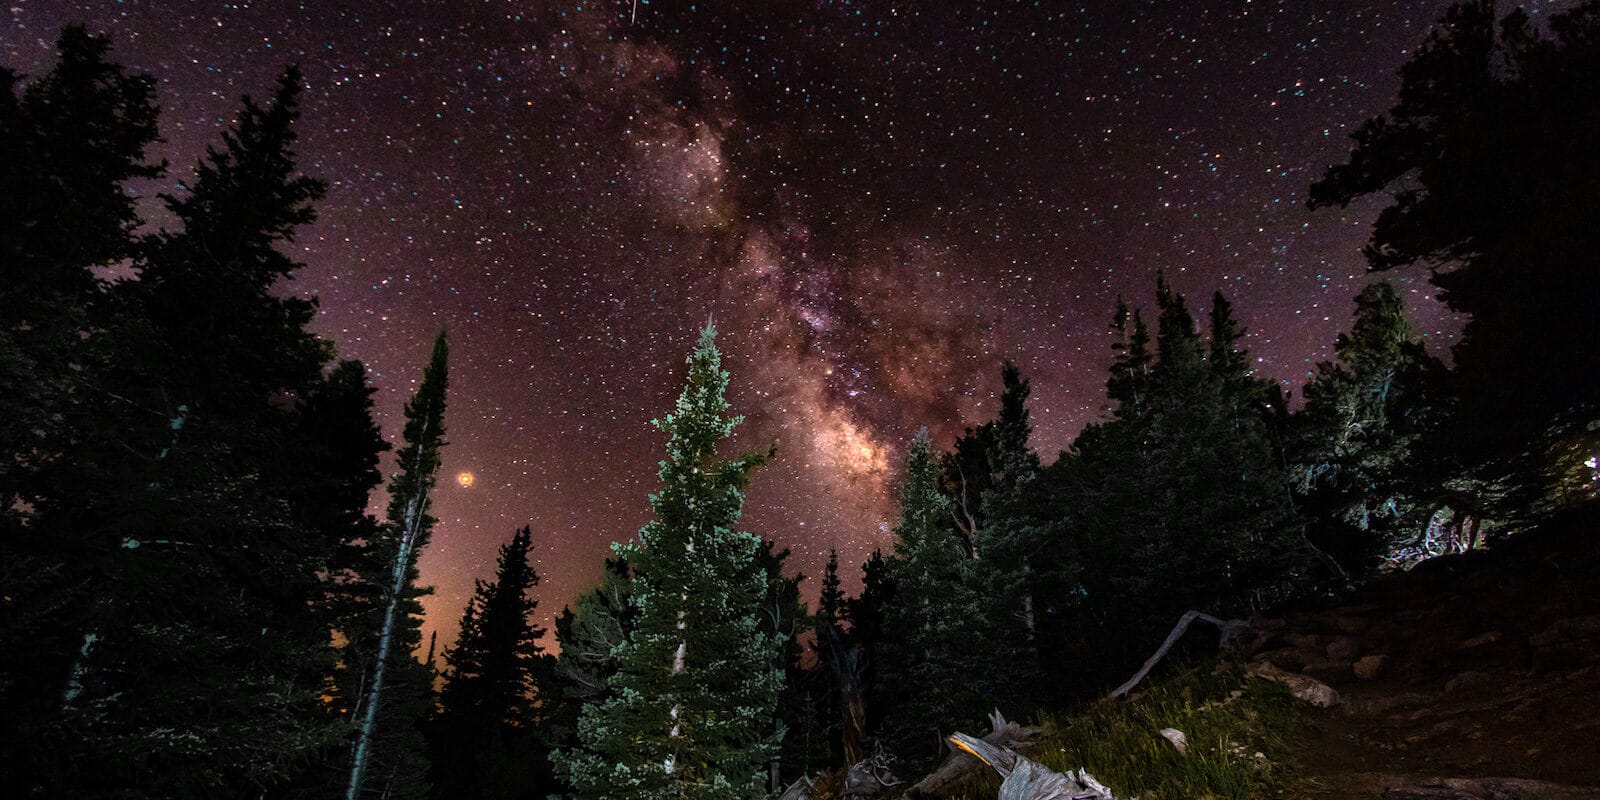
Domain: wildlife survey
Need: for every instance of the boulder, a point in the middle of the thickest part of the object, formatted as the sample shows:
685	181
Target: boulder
1344	648
1368	667
1301	687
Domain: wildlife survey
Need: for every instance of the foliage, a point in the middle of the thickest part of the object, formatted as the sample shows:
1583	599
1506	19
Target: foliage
1491	161
934	647
1354	459
1178	501
492	703
697	686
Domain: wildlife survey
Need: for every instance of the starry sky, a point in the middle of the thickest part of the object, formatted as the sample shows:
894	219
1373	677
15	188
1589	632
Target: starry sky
876	201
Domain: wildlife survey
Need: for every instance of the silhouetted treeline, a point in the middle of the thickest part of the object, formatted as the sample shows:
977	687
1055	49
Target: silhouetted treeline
196	602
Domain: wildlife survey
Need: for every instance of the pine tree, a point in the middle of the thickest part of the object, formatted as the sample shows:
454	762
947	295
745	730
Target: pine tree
1018	543
70	143
933	646
832	651
1490	159
1178	503
495	692
205	575
1353	458
696	691
394	703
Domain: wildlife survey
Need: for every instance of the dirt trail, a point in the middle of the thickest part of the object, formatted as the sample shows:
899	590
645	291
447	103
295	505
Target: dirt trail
1473	677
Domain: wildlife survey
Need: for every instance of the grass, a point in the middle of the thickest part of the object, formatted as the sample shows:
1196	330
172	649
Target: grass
1236	728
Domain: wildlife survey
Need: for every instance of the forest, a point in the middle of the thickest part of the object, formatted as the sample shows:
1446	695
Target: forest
199	600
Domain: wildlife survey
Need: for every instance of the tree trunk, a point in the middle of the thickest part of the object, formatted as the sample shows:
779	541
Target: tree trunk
957	768
1231	630
415	511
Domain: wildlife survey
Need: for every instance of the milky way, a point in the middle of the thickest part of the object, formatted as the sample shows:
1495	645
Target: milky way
876	202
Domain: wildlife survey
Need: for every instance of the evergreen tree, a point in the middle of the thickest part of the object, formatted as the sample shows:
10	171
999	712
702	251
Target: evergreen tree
1129	384
1017	544
934	645
696	692
494	695
73	141
786	619
590	631
203	572
397	697
832	652
1491	160
70	144
1353	460
964	477
1179	502
863	692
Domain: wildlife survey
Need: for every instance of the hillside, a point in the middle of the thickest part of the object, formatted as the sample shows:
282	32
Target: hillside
1483	667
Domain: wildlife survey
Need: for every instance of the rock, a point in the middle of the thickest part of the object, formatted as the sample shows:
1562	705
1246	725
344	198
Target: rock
1325	670
1301	687
1344	648
1482	789
1468	681
1478	641
1177	738
1350	624
1304	641
1368	667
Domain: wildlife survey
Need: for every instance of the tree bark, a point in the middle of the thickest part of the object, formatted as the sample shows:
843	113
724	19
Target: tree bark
415	511
953	773
1231	630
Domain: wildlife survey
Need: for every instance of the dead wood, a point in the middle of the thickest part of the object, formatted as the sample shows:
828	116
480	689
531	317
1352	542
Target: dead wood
1026	780
1233	631
959	766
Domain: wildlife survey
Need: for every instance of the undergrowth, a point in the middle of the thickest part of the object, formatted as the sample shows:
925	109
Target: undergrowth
1236	726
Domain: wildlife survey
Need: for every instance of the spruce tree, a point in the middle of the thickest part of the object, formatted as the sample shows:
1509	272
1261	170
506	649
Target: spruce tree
71	141
1490	163
785	617
1177	502
495	691
397	696
832	650
1354	450
934	637
206	575
1018	543
1129	384
697	688
589	633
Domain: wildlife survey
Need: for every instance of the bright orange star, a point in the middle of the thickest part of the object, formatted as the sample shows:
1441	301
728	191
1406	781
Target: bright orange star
464	478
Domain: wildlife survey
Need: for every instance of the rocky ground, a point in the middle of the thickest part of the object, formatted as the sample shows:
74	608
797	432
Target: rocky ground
1472	677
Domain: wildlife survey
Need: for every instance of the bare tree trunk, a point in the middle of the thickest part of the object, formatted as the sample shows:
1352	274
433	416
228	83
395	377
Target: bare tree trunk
958	767
1230	628
415	511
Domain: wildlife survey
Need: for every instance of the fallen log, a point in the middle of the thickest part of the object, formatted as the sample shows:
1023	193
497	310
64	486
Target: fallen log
1233	631
960	765
870	777
1028	780
799	790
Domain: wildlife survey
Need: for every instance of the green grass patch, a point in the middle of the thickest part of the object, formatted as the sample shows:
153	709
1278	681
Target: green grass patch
1237	729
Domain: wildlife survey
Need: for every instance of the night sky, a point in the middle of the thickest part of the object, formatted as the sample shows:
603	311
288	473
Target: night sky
877	202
